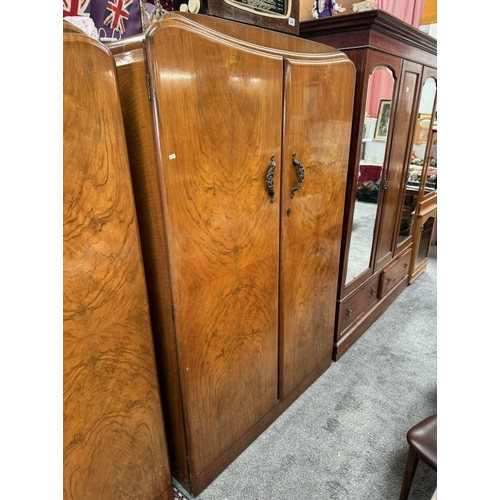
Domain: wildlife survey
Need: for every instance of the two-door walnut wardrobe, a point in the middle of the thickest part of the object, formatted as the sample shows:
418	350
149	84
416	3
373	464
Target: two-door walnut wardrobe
238	142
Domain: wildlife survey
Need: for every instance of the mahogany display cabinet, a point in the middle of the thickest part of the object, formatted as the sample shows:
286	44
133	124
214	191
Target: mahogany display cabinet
396	89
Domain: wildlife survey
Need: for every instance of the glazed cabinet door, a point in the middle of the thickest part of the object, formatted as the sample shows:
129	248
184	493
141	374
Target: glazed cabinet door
218	109
394	176
316	136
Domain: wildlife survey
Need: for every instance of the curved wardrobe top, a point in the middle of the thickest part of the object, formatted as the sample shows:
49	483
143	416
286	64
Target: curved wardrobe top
253	37
71	28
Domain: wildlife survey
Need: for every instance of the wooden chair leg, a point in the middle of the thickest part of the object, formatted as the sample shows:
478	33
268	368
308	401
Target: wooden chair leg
411	467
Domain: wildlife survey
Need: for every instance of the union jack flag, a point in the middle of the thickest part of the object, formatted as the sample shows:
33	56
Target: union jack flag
117	14
76	8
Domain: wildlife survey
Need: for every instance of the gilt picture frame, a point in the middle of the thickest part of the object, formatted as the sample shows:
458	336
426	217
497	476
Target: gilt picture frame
383	117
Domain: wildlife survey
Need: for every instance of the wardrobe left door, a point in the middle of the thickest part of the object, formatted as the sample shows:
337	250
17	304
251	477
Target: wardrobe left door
218	114
114	437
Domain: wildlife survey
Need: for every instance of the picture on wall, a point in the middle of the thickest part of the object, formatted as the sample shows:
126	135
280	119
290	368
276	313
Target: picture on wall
383	116
369	128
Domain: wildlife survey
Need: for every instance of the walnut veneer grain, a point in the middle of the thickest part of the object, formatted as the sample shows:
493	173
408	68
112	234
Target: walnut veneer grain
114	437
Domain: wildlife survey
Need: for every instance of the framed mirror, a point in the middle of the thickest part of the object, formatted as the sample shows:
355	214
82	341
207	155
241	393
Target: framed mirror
431	164
423	127
371	156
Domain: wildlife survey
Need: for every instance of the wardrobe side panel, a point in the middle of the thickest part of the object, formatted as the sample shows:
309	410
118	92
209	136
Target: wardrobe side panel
139	128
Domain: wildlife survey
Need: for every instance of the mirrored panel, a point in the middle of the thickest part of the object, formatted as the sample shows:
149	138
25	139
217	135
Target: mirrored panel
423	127
425	240
431	172
371	161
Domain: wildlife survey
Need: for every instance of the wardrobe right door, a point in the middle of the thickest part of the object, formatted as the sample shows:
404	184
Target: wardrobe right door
316	138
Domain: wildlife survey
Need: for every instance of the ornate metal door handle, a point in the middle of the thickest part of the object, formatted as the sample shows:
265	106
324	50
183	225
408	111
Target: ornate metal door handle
300	174
270	178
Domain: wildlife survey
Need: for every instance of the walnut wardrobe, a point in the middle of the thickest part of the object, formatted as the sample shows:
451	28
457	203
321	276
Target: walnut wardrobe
239	170
114	442
396	87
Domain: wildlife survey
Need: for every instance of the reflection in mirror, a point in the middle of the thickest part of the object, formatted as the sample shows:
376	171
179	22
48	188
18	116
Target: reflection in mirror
371	161
423	127
431	173
425	240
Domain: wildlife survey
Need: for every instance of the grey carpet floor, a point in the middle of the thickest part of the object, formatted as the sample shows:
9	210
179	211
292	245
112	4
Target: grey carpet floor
345	437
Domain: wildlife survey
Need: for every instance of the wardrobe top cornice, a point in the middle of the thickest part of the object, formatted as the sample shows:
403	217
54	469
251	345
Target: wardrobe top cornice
365	24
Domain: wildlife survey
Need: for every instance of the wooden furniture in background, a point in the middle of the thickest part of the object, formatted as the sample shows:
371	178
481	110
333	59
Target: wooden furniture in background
425	221
239	147
114	437
425	207
379	44
422	128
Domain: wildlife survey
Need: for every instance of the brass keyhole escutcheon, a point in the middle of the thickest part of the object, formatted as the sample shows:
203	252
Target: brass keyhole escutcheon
348	312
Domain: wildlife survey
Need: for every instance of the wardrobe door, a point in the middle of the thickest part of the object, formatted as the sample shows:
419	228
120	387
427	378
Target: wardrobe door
316	137
403	116
218	111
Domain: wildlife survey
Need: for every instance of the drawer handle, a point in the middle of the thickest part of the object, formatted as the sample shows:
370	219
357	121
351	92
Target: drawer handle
373	291
300	174
390	280
270	178
348	312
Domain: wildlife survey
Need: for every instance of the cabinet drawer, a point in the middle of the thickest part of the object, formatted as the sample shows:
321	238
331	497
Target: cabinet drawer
355	305
395	273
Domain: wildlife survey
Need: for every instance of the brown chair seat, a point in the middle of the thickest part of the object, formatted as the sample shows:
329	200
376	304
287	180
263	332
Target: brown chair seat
422	439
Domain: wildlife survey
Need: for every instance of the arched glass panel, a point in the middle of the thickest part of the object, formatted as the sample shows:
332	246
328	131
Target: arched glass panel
423	127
